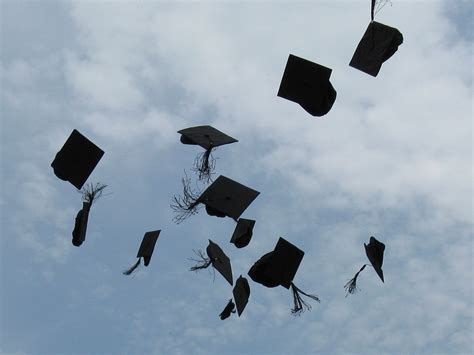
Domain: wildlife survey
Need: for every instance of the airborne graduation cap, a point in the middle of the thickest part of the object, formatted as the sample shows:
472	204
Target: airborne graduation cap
377	45
145	251
77	159
208	138
223	198
278	268
241	293
307	84
90	193
215	257
243	232
374	251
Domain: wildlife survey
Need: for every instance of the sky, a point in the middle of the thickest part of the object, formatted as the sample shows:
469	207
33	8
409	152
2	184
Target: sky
392	159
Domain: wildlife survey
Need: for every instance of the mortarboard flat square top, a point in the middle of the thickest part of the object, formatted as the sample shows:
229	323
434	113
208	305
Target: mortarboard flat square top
241	294
243	232
205	136
220	261
228	197
77	159
377	45
284	262
148	245
374	251
307	84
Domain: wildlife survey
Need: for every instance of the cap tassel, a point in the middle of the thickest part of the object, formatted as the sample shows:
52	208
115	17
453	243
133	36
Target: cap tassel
299	303
202	263
185	205
351	286
228	310
91	192
204	165
378	5
132	268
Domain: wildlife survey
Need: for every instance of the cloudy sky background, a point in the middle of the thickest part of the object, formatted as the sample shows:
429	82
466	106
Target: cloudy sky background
393	158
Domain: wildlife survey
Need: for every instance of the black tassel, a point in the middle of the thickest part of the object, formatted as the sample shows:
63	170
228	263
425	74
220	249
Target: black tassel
351	286
185	205
202	263
299	303
91	192
204	165
132	268
228	310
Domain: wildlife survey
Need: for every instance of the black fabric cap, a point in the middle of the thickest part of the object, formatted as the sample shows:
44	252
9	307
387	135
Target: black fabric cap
148	245
377	45
228	310
243	232
77	159
284	263
220	261
241	293
226	197
205	136
374	251
307	84
258	272
80	226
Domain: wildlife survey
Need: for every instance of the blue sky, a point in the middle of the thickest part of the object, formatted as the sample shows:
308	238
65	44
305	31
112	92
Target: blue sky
393	158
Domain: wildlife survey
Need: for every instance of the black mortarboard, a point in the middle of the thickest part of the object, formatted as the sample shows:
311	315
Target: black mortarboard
243	232
374	251
217	258
208	138
90	193
377	45
279	267
145	251
77	159
228	310
224	197
241	293
205	136
307	84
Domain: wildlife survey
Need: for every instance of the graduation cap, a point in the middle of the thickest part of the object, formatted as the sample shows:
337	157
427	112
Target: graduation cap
374	251
243	232
228	310
90	193
307	84
145	251
215	257
241	294
77	159
377	45
208	138
278	268
223	198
